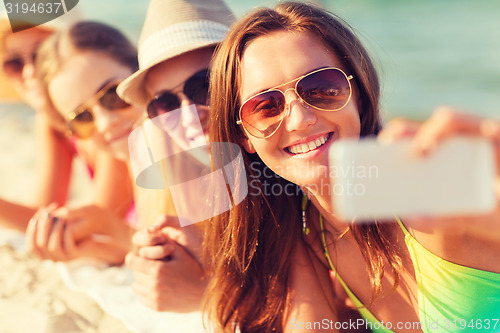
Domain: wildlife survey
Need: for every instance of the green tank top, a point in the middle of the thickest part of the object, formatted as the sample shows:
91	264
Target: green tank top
451	298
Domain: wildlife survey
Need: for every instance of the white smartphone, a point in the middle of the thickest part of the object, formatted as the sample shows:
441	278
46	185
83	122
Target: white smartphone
373	180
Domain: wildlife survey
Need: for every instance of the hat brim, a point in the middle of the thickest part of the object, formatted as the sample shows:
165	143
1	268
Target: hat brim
133	88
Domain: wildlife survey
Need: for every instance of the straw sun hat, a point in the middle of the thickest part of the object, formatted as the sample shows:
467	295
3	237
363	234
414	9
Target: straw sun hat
171	28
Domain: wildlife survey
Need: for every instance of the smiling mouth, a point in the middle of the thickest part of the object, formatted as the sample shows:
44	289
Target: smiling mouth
306	147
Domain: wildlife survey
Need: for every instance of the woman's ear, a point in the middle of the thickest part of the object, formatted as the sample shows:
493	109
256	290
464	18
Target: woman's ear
245	142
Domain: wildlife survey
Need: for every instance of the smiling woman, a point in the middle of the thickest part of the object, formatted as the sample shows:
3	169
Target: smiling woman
286	83
79	70
83	92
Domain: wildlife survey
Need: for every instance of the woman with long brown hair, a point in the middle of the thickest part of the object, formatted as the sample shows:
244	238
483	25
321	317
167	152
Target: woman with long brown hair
287	83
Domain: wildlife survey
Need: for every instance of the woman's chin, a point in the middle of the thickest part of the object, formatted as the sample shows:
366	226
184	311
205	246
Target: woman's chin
119	149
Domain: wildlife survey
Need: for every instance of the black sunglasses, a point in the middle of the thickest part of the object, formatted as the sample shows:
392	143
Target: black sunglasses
195	88
14	66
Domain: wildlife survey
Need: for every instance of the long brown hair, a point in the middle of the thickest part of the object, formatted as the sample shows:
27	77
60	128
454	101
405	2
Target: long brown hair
250	246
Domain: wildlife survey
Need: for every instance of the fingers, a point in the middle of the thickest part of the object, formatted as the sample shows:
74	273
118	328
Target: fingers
39	231
189	237
165	221
174	285
145	237
31	231
149	288
84	220
69	243
444	123
398	128
157	252
44	226
55	245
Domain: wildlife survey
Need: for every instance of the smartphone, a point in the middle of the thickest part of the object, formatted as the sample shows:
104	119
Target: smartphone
371	180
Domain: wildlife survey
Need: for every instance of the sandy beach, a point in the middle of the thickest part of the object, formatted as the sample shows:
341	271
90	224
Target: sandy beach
33	298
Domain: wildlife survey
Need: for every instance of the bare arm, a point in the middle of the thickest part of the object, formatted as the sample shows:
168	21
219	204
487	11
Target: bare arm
54	158
112	186
53	168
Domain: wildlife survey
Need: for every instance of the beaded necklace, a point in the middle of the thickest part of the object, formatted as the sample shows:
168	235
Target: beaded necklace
306	231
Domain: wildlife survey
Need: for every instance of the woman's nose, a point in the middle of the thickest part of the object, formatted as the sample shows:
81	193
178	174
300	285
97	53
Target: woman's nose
104	119
298	115
29	70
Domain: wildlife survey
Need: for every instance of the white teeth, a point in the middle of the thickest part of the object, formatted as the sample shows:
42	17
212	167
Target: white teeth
302	148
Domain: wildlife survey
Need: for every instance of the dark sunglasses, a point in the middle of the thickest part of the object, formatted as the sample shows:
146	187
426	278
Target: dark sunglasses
326	89
15	65
195	88
81	121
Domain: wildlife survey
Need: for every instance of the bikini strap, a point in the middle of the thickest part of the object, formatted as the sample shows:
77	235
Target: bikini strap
401	225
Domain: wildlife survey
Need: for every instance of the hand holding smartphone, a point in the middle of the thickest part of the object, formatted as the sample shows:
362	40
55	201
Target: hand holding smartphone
371	180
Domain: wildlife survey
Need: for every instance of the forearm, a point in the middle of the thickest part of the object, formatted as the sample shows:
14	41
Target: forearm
102	250
15	216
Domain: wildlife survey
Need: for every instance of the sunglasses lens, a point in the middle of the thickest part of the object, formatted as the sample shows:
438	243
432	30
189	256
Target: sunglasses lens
262	114
82	125
13	66
327	90
111	101
196	87
164	103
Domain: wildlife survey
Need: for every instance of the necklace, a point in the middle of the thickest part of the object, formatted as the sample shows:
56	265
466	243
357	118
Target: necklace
306	231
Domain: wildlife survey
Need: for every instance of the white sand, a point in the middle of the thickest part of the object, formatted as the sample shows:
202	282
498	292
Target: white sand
33	298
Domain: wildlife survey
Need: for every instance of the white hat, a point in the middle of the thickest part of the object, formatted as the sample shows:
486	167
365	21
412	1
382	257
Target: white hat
171	28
